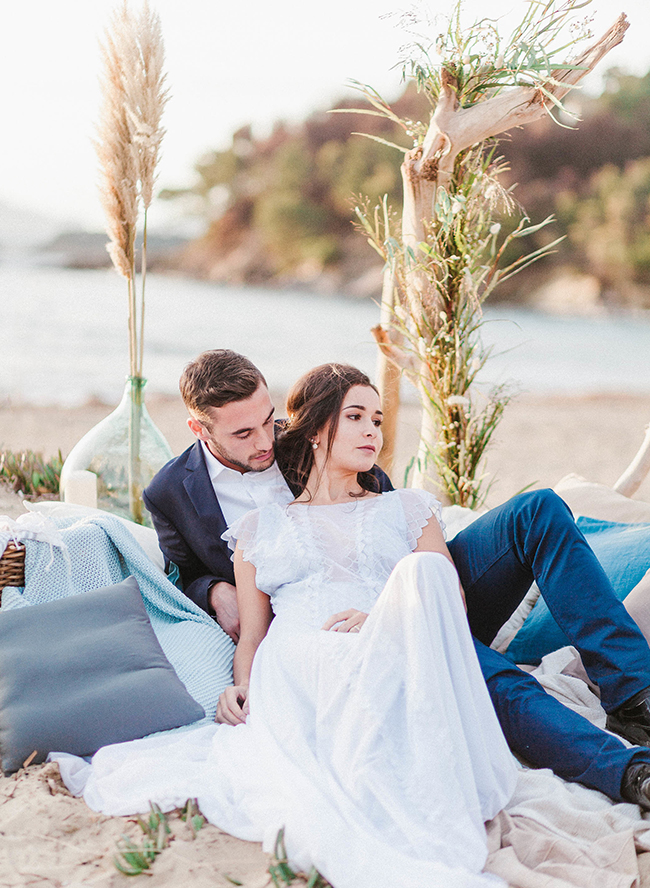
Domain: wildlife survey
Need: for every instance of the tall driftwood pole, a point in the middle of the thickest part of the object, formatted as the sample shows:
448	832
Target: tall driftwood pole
388	378
452	130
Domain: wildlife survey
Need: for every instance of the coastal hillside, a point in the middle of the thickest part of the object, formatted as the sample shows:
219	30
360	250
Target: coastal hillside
279	209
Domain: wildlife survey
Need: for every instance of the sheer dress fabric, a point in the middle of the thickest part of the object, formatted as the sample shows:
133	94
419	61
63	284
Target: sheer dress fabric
379	751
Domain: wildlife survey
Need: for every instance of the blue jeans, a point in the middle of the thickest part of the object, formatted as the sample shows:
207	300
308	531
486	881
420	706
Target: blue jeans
534	537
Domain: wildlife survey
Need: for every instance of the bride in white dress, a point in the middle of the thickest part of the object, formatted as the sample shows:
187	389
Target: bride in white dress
359	719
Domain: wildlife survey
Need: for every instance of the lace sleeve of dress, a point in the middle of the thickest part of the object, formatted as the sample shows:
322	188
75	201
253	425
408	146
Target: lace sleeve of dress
419	506
243	531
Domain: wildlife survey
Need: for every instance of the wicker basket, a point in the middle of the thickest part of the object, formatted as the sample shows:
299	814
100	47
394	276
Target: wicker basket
12	566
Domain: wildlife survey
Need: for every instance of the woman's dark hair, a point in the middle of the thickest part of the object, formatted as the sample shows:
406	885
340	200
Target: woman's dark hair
314	405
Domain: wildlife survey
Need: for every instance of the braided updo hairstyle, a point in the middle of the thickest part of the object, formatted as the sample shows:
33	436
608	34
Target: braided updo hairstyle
314	405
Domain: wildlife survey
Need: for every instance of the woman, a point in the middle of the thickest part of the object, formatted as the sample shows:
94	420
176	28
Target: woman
362	724
384	712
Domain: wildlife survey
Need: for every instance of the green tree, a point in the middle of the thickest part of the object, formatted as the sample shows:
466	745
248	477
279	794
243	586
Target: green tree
610	227
290	196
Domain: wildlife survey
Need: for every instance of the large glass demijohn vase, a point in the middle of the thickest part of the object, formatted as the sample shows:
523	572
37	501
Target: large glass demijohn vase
124	451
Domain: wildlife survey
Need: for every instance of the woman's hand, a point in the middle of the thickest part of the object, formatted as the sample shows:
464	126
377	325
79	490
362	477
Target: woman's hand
350	620
232	707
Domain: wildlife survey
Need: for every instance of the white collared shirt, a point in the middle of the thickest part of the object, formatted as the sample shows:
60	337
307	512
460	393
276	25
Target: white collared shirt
239	492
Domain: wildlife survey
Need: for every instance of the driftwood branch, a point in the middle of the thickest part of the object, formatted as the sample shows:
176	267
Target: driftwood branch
517	106
392	351
454	129
633	476
388	376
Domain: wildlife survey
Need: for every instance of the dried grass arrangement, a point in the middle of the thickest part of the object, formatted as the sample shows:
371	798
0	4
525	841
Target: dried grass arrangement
450	247
129	136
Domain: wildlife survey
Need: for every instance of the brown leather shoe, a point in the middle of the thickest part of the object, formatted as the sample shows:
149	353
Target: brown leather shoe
632	719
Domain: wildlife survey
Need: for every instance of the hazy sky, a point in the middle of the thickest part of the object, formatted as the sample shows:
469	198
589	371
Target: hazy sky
227	64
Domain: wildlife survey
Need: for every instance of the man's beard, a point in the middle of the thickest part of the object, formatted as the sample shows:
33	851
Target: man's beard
246	467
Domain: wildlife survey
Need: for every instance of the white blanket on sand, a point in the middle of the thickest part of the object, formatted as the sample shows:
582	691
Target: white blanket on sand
554	834
551	835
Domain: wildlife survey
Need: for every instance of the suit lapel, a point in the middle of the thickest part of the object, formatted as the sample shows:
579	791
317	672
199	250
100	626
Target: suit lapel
201	492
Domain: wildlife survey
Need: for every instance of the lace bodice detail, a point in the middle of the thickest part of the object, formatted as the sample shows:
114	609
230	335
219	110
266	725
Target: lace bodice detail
314	561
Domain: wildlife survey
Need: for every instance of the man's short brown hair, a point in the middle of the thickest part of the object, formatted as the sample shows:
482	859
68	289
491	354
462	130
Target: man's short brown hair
216	378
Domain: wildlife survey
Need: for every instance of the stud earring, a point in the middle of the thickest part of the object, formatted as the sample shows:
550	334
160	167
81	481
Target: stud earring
314	445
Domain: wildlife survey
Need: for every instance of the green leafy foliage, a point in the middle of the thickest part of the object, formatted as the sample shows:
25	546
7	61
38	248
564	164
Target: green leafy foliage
287	199
135	858
29	473
610	225
588	178
461	262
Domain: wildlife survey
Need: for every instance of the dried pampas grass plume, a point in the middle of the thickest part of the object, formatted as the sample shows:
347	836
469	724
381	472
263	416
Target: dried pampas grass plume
118	172
129	136
145	98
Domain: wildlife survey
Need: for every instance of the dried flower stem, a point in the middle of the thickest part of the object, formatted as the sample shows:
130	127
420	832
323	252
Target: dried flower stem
129	135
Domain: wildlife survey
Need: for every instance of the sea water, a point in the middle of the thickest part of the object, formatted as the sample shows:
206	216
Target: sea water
63	337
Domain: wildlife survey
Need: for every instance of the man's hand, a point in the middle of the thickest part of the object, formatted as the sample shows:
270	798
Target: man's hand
232	707
347	621
223	599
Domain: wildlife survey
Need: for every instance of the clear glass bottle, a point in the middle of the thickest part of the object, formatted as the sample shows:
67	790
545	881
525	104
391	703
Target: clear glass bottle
124	450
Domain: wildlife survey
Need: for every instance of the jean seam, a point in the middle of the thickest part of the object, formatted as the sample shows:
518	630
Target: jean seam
507	548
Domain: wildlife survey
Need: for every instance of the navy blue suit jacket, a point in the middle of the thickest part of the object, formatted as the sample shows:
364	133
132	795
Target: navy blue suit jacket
189	523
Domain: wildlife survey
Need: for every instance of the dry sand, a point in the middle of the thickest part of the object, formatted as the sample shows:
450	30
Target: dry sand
541	438
48	838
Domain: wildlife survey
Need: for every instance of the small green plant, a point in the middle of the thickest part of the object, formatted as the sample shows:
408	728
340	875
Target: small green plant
133	859
282	874
29	473
191	815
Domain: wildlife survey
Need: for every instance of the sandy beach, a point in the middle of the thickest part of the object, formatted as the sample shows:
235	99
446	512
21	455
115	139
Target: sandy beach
48	838
541	438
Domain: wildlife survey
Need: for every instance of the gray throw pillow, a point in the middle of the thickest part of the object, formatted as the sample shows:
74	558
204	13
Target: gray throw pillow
83	672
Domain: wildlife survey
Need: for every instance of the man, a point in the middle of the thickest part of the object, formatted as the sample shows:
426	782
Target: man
231	469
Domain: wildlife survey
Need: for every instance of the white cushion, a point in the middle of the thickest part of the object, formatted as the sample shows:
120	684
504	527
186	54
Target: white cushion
599	501
457	518
637	604
146	537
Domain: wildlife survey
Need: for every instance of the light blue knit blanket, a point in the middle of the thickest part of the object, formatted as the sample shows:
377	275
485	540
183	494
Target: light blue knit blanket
100	551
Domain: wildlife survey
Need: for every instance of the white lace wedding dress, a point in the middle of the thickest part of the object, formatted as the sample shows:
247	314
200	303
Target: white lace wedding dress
379	751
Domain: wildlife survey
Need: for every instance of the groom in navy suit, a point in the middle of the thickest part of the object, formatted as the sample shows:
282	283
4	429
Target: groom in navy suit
195	497
231	469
